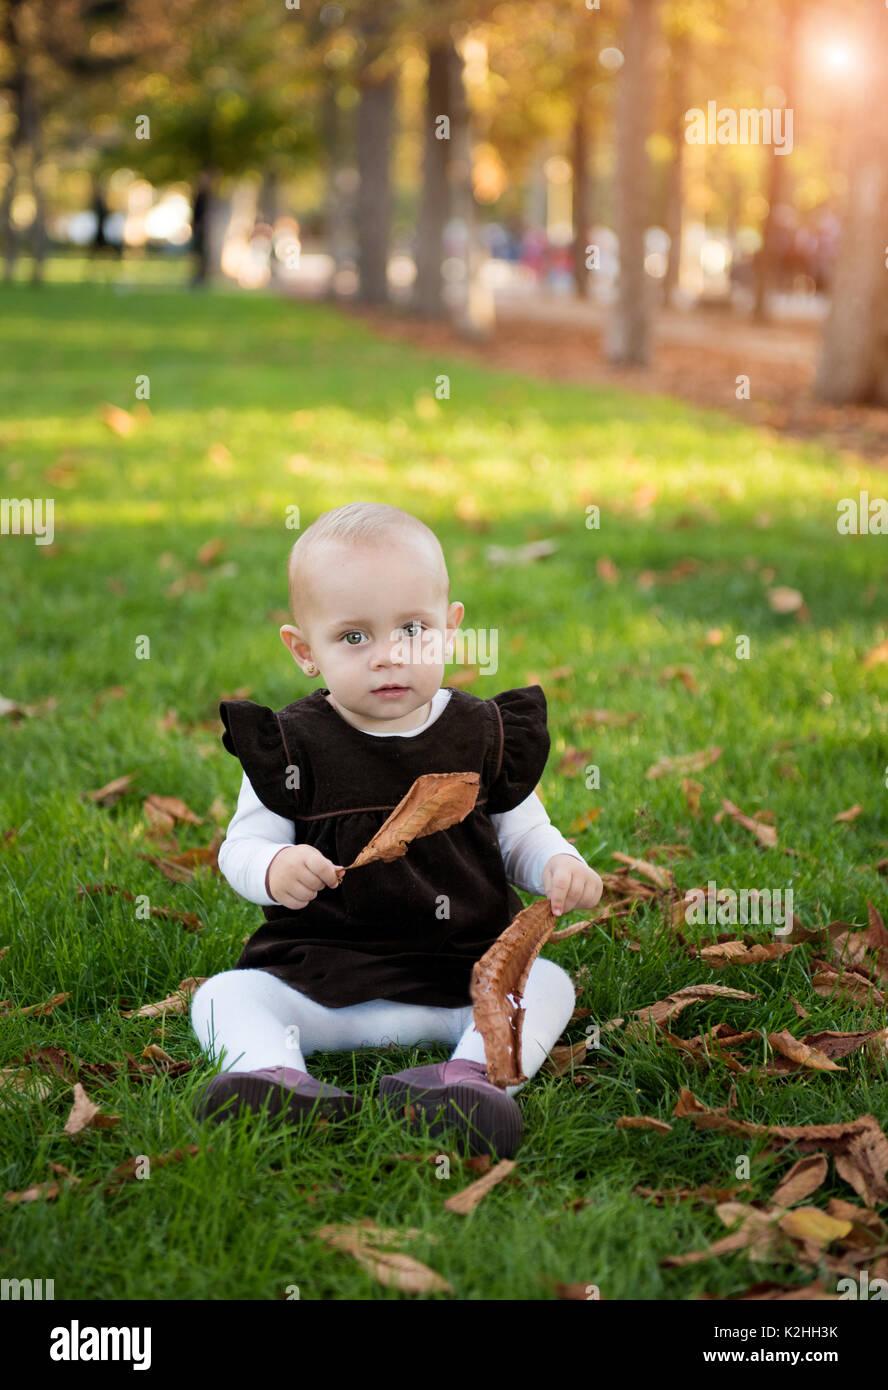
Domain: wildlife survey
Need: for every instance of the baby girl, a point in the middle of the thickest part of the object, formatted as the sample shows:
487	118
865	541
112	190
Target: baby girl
385	955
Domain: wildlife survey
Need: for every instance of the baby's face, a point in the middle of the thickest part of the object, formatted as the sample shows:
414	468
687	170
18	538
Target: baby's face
379	620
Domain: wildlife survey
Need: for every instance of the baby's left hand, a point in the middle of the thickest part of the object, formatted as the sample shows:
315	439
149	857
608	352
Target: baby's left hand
570	884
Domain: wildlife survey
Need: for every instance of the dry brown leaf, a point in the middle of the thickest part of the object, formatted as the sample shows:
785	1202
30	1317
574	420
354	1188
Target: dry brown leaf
497	985
673	1004
847	984
679	673
598	718
172	807
175	1003
111	792
765	834
466	1200
851	814
685	763
783	600
692	793
810	1223
434	802
85	1113
365	1243
756	1233
643	1122
190	921
561	1059
663	878
211	550
181	868
705	1193
22	1084
803	1178
799	1052
8	1007
13	710
876	655
738	953
119	421
859	1147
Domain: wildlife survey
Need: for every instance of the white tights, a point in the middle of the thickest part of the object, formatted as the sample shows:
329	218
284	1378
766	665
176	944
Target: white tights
252	1019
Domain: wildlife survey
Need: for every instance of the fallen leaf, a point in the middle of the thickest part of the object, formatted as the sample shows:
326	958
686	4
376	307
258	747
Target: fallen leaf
21	1084
606	570
663	878
851	814
679	673
562	1059
497	985
211	550
803	1178
643	1122
810	1223
434	802
876	655
466	1200
391	1268
7	1007
738	953
118	420
175	1003
673	1004
765	834
173	807
687	762
111	792
783	600
598	718
85	1113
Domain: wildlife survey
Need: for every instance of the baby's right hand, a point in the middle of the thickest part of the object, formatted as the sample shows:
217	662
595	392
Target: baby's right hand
297	873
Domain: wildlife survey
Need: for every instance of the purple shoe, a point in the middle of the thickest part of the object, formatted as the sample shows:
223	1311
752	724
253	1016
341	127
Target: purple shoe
470	1102
289	1091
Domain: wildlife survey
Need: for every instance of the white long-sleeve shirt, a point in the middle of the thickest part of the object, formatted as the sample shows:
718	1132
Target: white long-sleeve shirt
527	838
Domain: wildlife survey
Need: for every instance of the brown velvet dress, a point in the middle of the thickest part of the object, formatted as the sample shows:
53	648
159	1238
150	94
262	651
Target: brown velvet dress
409	930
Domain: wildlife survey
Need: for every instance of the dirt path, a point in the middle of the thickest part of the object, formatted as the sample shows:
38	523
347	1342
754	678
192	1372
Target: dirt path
697	357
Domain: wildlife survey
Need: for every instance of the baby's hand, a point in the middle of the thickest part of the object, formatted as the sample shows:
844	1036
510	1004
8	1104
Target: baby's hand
297	873
569	883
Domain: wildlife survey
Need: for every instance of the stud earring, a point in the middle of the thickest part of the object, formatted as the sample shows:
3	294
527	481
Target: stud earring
312	669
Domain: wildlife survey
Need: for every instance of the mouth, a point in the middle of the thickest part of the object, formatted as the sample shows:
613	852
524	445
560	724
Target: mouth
381	688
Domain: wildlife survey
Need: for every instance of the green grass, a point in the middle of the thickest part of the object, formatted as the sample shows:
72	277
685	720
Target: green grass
314	412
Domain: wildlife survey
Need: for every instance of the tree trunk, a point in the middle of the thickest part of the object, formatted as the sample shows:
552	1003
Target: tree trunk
777	180
627	339
679	58
853	365
338	219
581	200
16	85
375	118
434	209
475	314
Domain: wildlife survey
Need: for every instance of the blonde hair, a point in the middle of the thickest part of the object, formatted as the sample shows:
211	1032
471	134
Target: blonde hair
356	524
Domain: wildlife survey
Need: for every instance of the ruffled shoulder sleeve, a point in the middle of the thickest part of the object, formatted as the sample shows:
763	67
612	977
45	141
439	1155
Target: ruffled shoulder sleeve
520	746
253	735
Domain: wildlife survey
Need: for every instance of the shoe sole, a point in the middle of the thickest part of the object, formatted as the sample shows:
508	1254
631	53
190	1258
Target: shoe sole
234	1093
489	1127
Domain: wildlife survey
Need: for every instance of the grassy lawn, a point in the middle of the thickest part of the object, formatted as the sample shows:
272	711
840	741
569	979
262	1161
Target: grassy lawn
257	406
